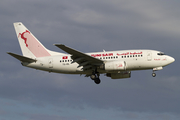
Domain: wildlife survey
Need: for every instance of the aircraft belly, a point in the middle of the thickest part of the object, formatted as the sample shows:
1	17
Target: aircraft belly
134	65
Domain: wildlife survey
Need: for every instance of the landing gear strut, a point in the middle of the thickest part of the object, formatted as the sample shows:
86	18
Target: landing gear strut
95	77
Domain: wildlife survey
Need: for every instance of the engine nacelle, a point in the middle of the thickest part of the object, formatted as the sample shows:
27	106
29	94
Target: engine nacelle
115	65
125	74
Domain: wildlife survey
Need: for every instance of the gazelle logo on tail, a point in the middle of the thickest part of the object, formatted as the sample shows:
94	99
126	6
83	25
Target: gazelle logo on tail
33	44
22	36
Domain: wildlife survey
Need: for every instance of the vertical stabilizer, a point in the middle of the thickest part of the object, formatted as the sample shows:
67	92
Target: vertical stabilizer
30	46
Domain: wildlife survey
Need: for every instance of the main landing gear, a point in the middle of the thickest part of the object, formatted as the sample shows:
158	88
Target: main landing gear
95	77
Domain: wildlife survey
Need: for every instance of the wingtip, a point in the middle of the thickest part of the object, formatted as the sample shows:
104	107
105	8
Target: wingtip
7	52
58	45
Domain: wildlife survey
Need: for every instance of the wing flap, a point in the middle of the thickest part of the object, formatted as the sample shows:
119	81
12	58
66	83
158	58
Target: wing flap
22	58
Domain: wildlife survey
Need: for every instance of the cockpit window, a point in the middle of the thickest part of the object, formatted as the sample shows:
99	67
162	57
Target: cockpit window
161	53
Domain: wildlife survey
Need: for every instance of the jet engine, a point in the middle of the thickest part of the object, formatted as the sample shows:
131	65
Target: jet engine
125	74
114	65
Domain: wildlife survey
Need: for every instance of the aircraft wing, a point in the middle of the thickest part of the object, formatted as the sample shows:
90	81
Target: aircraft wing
22	58
82	59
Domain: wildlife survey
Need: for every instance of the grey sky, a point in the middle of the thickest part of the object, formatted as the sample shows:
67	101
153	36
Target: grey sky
90	26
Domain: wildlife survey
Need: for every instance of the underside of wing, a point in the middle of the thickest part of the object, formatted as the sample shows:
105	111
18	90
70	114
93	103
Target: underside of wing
82	59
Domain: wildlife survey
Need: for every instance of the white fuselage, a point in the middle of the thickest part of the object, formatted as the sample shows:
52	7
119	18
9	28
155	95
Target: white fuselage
133	59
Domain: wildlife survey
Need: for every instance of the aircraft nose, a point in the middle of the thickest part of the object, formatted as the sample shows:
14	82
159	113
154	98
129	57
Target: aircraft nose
171	59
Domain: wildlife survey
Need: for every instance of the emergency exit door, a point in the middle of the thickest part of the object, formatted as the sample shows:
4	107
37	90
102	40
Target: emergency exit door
149	56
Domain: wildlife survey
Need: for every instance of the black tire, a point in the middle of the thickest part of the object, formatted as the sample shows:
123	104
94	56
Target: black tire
154	74
97	81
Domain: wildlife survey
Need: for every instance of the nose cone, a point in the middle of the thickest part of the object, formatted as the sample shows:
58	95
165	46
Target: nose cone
171	60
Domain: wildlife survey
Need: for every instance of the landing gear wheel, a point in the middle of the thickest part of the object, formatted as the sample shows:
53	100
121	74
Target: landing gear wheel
97	81
93	76
154	74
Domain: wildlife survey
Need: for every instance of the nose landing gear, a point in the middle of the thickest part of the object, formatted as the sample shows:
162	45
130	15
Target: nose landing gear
156	69
154	74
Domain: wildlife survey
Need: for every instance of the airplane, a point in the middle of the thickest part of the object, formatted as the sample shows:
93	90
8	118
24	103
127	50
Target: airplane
114	64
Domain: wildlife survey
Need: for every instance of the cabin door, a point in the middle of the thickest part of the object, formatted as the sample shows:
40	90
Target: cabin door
149	56
50	63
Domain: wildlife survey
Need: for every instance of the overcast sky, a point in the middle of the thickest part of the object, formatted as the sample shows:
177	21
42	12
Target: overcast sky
90	26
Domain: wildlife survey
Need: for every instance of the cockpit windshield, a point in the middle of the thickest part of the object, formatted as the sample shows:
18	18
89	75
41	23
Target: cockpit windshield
161	53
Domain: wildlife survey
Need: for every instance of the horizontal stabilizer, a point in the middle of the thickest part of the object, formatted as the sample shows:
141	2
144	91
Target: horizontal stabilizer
22	58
